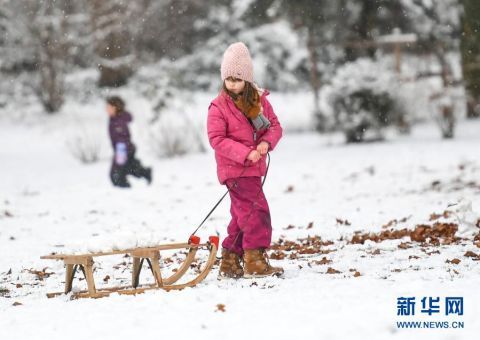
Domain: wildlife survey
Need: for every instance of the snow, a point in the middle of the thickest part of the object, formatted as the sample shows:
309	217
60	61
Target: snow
51	202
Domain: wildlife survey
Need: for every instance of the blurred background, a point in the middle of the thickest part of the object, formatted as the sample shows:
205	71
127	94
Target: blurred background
360	68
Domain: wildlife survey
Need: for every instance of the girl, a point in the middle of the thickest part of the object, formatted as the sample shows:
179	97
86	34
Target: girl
242	129
124	162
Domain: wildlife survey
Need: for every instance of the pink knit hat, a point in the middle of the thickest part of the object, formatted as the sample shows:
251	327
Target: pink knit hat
237	63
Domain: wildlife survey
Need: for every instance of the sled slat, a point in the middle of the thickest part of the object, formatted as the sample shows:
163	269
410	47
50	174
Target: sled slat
127	251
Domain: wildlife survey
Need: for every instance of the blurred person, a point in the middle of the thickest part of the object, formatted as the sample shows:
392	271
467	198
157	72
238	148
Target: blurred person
124	162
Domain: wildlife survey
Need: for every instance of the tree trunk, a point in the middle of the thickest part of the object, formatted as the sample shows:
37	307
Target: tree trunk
48	29
112	39
314	76
470	49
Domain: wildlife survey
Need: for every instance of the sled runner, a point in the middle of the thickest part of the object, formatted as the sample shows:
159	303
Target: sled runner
84	262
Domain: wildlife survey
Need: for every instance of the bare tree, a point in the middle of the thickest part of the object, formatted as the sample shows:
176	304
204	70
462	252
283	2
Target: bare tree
39	36
111	22
49	35
438	28
470	47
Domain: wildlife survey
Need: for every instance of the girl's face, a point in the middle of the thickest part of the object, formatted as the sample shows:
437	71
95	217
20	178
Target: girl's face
234	85
111	110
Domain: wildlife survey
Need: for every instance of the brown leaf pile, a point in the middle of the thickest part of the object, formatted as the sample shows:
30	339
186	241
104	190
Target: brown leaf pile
302	246
436	234
360	238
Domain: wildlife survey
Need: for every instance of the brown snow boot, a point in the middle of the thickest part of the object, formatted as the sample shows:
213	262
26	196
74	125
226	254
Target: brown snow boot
230	266
256	264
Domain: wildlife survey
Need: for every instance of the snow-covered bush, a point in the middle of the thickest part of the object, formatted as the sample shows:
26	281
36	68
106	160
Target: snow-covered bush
279	56
362	96
84	145
173	134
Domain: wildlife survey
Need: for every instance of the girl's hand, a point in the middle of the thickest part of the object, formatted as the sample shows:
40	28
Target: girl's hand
254	156
263	147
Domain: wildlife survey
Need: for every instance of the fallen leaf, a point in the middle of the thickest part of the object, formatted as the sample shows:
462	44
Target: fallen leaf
41	274
471	254
404	245
323	261
277	255
343	222
330	270
389	224
445	214
293	256
454	261
220	308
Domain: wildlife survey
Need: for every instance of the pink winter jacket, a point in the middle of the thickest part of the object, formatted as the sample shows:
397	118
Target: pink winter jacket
233	137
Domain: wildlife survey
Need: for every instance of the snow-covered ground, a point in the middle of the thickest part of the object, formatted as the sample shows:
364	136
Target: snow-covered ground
50	202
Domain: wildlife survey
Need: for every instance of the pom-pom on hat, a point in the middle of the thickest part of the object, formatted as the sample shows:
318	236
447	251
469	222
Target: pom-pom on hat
237	63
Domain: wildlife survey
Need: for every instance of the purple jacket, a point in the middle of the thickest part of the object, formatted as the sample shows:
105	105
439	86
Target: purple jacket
118	129
232	137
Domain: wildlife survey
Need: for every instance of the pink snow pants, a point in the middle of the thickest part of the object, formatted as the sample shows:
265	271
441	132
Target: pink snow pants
250	227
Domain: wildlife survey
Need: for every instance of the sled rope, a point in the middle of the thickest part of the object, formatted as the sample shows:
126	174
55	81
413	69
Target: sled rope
228	190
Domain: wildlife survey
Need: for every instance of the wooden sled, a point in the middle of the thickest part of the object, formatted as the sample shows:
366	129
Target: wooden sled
85	262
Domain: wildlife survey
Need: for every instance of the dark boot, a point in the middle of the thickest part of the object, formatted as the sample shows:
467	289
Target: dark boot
230	266
256	264
119	177
148	175
135	168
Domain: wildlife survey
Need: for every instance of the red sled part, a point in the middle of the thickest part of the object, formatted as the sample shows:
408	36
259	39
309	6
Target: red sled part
215	240
194	239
